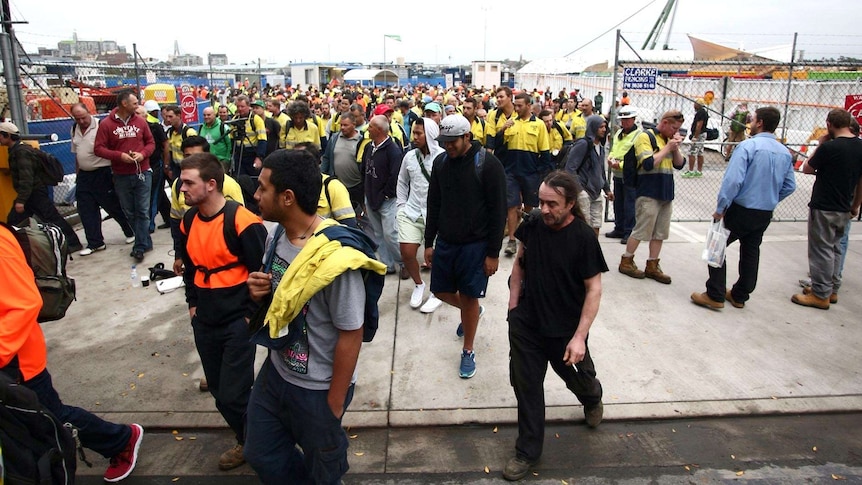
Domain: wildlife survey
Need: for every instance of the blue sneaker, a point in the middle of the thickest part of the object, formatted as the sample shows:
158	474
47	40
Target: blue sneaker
468	364
460	331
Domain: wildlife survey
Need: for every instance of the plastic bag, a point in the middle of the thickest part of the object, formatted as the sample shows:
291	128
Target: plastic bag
716	244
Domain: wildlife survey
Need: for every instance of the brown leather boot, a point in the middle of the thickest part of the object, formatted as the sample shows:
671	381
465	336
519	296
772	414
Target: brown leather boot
833	298
629	268
811	300
653	270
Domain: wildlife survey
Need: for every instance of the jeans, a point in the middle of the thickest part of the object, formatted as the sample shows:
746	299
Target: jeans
96	189
384	223
134	195
227	357
40	205
825	231
529	357
747	226
106	439
281	416
624	207
159	202
844	242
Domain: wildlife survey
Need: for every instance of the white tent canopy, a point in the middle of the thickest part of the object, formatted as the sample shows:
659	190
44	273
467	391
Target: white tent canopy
375	75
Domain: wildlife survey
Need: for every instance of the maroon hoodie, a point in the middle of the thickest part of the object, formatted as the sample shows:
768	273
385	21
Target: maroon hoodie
116	136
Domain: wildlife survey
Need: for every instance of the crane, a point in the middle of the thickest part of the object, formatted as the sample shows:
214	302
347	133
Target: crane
669	11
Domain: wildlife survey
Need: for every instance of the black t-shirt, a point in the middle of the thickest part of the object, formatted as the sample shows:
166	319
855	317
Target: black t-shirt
699	115
839	165
556	263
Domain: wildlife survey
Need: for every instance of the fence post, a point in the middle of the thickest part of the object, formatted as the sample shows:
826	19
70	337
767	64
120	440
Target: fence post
789	84
612	118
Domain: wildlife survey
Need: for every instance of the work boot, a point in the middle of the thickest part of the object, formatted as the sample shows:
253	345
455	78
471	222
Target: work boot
704	300
629	268
516	469
594	414
653	270
811	300
736	304
833	298
231	458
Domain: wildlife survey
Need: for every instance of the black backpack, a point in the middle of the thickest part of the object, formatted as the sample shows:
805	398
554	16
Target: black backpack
36	447
45	247
52	170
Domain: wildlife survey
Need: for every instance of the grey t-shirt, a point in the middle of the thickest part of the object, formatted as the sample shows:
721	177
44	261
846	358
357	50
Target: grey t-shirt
307	360
344	163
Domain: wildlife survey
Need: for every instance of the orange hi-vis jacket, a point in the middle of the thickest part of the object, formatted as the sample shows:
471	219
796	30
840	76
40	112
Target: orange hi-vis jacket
20	302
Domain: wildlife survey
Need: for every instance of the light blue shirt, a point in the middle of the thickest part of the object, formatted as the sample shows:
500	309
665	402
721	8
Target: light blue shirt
759	175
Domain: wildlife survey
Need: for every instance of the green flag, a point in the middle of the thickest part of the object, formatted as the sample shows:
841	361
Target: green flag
393	37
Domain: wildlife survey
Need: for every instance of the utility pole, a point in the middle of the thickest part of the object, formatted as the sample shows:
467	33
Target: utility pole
9	55
137	76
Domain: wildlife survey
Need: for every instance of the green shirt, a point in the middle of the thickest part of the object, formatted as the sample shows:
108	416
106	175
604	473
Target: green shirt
218	138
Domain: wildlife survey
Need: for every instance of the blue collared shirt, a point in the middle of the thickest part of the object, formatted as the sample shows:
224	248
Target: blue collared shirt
759	175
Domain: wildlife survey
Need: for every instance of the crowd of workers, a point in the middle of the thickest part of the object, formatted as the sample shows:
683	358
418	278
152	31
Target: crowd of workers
346	172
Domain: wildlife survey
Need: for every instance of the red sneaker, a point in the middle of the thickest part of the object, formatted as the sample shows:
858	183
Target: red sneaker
122	465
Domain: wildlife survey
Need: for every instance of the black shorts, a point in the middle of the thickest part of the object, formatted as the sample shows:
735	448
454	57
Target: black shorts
459	268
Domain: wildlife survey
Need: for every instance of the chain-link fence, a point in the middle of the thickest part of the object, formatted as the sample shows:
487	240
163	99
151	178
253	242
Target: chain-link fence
732	89
803	91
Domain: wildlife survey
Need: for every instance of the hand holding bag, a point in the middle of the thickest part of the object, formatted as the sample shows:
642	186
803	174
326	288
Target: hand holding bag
716	244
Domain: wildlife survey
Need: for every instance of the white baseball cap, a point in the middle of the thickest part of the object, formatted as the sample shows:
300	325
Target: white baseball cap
453	127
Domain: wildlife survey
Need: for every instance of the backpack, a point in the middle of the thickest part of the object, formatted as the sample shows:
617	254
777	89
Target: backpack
231	238
52	170
478	163
560	159
47	251
184	134
36	447
712	133
372	281
738	123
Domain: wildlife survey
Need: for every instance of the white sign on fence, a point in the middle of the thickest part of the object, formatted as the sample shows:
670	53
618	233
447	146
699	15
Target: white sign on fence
639	77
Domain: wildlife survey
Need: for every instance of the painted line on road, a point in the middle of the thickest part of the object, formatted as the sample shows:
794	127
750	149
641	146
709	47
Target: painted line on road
687	234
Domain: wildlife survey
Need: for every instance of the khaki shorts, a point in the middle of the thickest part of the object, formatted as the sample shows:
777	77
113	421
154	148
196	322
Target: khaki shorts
591	208
652	219
410	232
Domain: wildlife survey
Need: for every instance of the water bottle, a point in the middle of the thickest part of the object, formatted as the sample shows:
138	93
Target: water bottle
135	281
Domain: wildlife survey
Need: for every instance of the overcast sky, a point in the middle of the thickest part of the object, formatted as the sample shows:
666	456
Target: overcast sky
432	32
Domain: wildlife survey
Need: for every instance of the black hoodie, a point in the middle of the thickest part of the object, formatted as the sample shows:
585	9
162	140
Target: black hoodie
461	208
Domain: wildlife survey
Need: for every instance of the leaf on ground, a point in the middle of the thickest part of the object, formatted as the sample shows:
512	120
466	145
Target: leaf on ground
814	449
359	453
192	438
175	479
564	482
732	457
175	432
133	386
185	374
140	375
740	473
629	435
672	430
354	436
495	429
487	470
838	477
557	435
535	474
687	468
178	438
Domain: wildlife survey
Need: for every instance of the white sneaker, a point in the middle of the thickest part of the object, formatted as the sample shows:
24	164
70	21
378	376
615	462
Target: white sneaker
416	297
130	239
89	251
432	304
